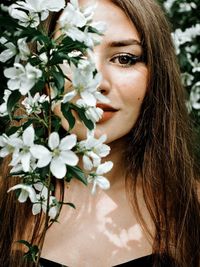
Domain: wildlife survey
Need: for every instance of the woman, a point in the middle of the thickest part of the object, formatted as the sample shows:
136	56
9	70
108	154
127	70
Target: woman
151	215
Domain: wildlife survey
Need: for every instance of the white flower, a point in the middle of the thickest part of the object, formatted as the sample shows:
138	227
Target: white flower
10	144
41	202
26	191
86	85
93	113
186	7
23	155
187	78
92	39
59	156
196	65
8	53
33	104
195	96
22	78
97	178
168	4
93	150
26	20
44	58
37	9
3	106
3	7
24	50
181	37
21	51
72	18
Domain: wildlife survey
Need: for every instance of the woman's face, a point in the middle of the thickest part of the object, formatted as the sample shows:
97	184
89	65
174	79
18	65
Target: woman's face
124	76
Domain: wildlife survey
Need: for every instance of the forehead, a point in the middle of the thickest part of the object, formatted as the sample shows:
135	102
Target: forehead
117	22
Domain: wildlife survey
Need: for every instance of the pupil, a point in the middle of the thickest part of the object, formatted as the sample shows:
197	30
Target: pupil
123	60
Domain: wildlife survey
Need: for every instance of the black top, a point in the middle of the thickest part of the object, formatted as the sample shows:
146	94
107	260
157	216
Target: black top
146	261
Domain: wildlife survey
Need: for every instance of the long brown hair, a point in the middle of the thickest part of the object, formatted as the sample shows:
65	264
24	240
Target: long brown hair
160	150
160	144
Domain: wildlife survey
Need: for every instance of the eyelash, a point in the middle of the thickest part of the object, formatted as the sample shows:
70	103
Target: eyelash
129	57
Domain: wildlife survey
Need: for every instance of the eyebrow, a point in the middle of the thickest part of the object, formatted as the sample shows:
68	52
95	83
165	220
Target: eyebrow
122	43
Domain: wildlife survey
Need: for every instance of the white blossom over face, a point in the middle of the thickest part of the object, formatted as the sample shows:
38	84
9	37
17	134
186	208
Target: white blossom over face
22	78
85	84
93	113
97	179
30	12
59	156
72	18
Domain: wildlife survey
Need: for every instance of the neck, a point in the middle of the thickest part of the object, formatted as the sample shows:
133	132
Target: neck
117	175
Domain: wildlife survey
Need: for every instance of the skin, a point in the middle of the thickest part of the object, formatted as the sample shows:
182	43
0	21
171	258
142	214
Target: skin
124	80
105	231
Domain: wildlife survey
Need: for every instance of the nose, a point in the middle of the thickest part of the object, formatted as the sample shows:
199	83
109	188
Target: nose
101	67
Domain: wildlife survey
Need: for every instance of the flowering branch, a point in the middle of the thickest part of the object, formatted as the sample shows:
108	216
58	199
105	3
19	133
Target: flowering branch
39	153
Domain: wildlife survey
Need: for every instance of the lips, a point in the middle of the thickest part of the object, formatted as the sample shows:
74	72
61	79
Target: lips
108	112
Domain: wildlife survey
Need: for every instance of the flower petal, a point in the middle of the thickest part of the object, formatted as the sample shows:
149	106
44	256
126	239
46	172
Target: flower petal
68	142
69	157
104	168
23	196
39	151
54	140
25	160
28	188
28	136
42	162
102	182
36	208
58	168
87	163
88	98
67	97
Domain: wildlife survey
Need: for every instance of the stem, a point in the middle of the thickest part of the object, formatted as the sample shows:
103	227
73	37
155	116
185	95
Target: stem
46	223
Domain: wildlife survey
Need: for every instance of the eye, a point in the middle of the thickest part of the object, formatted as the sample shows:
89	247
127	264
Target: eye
126	60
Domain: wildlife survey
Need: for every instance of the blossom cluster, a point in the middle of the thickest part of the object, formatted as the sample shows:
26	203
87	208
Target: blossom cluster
186	39
186	35
37	66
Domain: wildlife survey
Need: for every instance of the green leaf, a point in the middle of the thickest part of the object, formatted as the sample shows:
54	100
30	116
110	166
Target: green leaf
88	123
58	80
12	130
69	204
38	87
24	242
67	112
77	173
56	123
12	101
32	253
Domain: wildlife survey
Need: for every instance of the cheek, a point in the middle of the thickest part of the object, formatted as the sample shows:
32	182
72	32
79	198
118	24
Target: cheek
133	87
